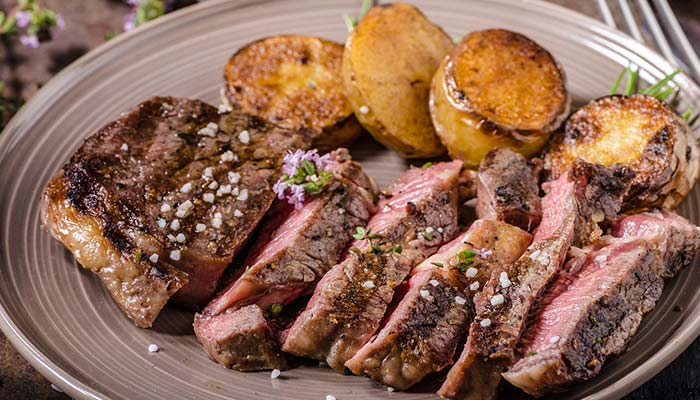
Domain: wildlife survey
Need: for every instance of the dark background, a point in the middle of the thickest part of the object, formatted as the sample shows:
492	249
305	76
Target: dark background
88	21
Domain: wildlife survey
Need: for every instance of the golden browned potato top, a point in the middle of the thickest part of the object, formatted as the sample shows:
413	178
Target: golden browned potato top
508	79
289	80
637	131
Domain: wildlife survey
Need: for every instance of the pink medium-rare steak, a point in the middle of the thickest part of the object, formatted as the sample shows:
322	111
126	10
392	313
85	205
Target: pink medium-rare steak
294	249
351	299
422	332
508	189
576	202
170	186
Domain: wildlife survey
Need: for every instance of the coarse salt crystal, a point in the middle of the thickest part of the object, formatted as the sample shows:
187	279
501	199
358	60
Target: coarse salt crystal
364	109
504	280
341	211
429	229
153	348
213	185
216	222
208	172
222	109
330	397
218	215
153	258
275	373
497	300
161	223
175	224
440	229
486	322
390	389
180	238
471	272
165	207
554	339
243	195
474	286
424	293
208	197
181	213
186	188
434	282
234	177
368	285
386	208
200	227
227	156
535	254
237	213
460	300
171	238
125	147
224	189
208	131
175	255
244	137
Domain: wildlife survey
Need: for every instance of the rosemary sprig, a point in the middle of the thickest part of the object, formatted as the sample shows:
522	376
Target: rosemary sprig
351	22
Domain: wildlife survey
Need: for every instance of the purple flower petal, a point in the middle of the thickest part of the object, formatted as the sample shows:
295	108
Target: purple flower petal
22	19
60	22
30	41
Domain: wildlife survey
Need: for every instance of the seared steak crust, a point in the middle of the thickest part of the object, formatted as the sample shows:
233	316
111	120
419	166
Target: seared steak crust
242	339
508	189
351	299
587	194
425	327
151	176
590	315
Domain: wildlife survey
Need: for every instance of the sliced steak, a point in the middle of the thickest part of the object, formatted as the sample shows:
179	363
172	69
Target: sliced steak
351	299
179	185
681	239
508	189
294	249
591	314
587	194
422	333
240	339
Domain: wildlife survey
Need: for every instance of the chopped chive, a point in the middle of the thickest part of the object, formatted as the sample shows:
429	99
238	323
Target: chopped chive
366	5
349	22
656	88
137	256
632	78
427	165
616	85
688	113
664	95
456	39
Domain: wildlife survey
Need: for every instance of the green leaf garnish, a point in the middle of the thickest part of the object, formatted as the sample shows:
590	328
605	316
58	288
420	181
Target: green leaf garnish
531	353
360	233
397	249
275	310
437	264
427	165
137	256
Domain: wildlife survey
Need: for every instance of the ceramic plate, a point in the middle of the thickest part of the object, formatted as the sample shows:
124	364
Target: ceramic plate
64	322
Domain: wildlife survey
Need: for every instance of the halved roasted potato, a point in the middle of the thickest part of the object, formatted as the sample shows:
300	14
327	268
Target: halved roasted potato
497	89
293	81
638	131
388	63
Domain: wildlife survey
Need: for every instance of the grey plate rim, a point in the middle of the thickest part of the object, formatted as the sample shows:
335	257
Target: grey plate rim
48	95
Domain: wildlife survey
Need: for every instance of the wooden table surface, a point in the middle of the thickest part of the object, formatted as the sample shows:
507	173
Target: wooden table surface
24	71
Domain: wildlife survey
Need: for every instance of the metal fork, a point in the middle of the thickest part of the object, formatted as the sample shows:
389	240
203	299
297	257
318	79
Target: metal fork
684	55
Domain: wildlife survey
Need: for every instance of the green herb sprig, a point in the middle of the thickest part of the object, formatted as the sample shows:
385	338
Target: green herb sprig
464	259
303	174
351	22
362	233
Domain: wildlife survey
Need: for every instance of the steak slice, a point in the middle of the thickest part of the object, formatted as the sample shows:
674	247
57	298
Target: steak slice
240	339
180	185
680	239
508	189
422	333
591	314
351	299
294	249
587	194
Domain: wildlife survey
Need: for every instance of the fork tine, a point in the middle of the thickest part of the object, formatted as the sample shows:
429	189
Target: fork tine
630	21
674	27
657	32
606	13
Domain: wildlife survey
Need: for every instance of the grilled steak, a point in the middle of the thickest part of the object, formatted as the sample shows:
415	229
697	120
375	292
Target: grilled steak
508	189
425	327
681	239
240	339
585	195
174	186
591	314
294	249
351	299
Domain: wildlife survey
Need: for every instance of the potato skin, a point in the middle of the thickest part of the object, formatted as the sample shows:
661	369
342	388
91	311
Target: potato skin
469	136
388	63
293	81
638	131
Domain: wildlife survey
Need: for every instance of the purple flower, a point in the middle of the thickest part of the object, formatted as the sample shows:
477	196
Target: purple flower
133	3
280	188
22	19
297	196
60	22
292	161
130	21
484	252
30	41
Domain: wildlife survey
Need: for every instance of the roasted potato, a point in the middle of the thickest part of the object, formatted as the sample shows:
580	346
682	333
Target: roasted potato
293	81
638	131
389	60
497	89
